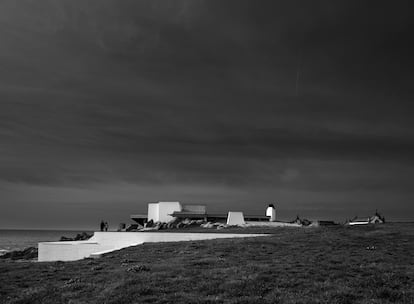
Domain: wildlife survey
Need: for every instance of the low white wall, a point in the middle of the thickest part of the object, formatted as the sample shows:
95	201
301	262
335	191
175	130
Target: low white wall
107	241
68	251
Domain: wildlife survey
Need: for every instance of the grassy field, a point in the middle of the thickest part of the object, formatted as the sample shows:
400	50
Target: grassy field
372	264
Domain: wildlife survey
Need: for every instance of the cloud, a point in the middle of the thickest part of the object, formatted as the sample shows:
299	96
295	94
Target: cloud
202	94
289	175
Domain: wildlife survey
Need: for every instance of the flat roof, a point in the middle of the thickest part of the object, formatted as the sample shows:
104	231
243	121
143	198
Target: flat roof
195	214
217	215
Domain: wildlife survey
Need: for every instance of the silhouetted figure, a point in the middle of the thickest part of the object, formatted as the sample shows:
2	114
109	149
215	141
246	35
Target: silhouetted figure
102	225
106	226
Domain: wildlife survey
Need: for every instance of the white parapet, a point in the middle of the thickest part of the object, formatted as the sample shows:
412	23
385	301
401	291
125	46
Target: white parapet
103	242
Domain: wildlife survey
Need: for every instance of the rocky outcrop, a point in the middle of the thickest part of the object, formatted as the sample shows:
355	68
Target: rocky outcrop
79	237
29	253
217	225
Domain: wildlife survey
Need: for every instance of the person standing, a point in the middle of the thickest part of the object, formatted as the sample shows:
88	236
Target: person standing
106	226
102	225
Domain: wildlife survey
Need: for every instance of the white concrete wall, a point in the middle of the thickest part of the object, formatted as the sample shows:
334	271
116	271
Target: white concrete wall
166	208
153	213
160	212
68	251
235	218
108	241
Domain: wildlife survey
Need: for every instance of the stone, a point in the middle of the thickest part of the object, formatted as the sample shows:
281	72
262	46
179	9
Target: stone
149	224
186	221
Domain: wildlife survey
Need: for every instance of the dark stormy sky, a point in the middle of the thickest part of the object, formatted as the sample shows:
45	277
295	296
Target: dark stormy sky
106	105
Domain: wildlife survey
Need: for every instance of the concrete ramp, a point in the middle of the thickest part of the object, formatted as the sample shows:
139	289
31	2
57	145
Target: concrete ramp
235	218
104	242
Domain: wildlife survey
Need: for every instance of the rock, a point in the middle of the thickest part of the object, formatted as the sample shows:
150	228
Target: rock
186	221
207	225
79	237
83	236
134	227
65	239
305	222
29	253
149	224
174	221
221	226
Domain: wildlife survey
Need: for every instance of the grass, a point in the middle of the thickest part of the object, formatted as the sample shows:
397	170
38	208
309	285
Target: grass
371	264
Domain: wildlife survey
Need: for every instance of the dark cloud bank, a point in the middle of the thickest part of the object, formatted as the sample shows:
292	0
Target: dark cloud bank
105	105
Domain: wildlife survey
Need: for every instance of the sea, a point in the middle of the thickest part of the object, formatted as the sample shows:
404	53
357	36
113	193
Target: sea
20	239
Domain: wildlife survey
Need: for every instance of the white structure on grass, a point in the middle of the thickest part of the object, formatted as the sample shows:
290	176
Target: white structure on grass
235	218
271	211
161	211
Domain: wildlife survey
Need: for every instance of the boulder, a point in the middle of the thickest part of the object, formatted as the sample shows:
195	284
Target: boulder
305	222
79	237
65	239
83	236
207	225
186	221
149	224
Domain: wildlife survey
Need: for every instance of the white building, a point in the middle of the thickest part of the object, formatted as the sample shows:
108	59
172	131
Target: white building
165	212
161	211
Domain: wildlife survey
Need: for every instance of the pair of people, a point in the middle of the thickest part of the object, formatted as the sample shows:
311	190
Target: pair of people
104	226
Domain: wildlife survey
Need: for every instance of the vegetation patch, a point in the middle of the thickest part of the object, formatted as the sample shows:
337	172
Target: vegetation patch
314	265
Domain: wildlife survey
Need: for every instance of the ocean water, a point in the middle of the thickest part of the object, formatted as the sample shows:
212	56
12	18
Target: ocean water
21	239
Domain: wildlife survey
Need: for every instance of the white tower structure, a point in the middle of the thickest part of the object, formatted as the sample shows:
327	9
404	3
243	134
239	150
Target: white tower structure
271	211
